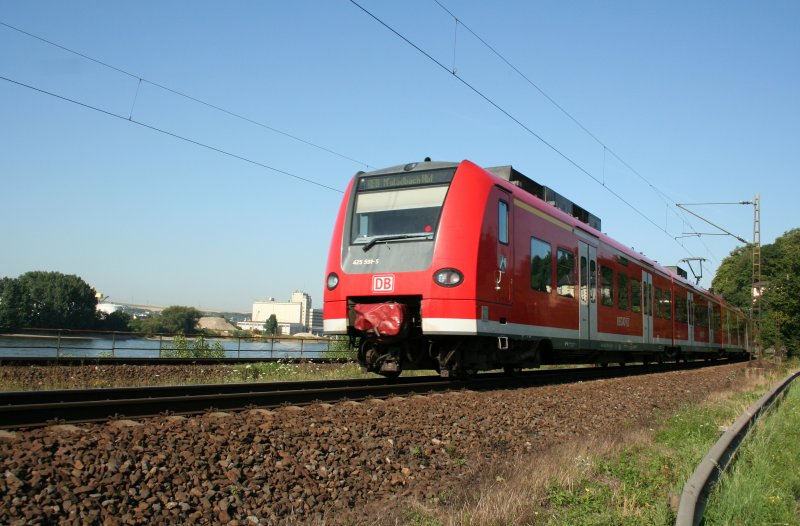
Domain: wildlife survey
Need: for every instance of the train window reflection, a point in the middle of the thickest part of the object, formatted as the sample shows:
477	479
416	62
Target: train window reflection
636	295
541	265
565	270
623	300
606	286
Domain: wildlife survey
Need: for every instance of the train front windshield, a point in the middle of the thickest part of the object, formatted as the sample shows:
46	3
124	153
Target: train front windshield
399	206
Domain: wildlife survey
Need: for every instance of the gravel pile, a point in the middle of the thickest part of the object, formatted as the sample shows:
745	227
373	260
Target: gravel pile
345	462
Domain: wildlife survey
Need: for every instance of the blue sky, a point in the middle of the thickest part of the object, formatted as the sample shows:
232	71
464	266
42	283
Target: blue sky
700	98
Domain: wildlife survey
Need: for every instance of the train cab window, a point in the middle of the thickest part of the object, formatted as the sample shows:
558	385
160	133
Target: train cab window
636	295
624	298
606	286
412	213
541	265
565	273
502	222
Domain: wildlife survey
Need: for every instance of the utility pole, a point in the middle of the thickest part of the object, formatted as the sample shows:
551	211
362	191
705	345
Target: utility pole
755	280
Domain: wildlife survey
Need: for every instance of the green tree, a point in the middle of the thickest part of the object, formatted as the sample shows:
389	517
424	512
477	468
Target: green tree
12	301
271	325
176	319
115	321
781	297
733	278
47	300
182	347
780	304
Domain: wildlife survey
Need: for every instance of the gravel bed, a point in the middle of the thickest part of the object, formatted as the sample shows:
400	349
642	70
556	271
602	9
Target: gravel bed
346	462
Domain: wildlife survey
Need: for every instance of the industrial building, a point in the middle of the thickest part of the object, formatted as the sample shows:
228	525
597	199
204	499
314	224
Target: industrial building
293	316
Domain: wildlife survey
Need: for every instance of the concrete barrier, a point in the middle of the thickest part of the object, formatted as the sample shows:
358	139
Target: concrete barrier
695	492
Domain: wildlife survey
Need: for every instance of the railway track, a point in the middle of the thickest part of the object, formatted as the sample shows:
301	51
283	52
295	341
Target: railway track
96	360
39	408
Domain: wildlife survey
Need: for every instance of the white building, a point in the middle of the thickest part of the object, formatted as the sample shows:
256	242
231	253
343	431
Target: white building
293	316
108	308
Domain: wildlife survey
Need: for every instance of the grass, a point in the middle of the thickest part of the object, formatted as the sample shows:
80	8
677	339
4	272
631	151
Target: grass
763	485
17	378
633	477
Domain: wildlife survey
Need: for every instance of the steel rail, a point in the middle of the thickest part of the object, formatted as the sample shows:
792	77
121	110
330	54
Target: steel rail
38	408
92	360
695	492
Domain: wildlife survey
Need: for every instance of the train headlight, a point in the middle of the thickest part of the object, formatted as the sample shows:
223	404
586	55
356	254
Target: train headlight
333	281
448	277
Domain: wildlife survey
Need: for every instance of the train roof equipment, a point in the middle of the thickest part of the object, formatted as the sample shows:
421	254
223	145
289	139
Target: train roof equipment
546	194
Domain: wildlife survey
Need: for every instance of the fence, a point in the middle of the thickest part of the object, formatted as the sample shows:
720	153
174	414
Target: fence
72	344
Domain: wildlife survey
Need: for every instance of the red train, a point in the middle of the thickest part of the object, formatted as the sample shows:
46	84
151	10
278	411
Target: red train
456	268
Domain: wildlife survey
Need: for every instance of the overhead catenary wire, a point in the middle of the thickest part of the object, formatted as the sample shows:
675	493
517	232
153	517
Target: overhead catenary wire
606	149
171	134
518	122
141	79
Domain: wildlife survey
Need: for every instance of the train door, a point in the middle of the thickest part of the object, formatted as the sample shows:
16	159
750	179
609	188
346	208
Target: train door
503	272
690	312
647	307
587	287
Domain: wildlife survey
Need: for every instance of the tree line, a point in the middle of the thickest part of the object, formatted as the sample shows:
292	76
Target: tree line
52	300
780	288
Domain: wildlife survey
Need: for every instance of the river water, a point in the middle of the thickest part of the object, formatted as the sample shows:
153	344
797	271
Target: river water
141	347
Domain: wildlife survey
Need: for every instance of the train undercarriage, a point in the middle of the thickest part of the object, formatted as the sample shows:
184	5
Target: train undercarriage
461	357
389	340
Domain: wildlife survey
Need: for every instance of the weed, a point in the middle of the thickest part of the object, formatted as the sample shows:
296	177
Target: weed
418	518
763	484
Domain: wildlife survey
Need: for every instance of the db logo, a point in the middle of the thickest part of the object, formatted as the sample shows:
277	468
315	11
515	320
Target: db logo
383	283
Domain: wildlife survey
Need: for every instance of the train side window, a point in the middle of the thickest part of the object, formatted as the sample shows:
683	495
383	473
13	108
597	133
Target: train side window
636	295
541	265
502	222
680	309
623	299
659	304
606	286
565	273
700	315
667	310
684	309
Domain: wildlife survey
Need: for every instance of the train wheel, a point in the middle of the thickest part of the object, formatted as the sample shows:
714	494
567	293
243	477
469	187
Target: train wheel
510	370
390	374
